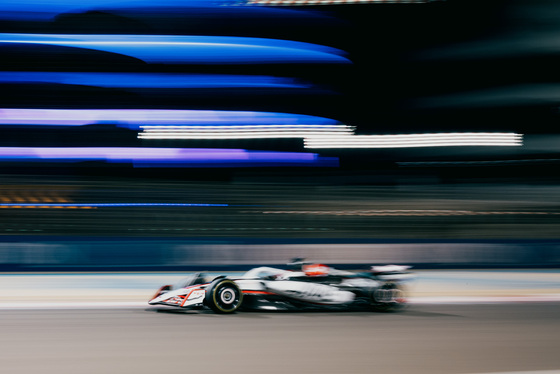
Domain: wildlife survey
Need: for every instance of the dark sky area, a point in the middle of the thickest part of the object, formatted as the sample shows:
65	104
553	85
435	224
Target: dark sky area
442	66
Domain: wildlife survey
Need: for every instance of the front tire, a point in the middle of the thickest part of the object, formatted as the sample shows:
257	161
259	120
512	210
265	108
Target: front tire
223	296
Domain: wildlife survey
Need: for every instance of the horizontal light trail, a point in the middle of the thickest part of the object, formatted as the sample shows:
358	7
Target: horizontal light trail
335	137
104	205
417	140
235	229
118	153
47	9
148	40
136	118
316	145
151	80
332	2
243	132
189	49
317	132
164	157
256	135
221	128
405	212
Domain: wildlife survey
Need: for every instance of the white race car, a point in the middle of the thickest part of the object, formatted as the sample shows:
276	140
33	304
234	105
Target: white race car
303	286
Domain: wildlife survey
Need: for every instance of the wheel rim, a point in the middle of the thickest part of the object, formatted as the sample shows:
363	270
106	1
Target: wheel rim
227	297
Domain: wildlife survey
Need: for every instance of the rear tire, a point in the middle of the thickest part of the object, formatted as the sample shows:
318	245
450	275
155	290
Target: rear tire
223	296
390	297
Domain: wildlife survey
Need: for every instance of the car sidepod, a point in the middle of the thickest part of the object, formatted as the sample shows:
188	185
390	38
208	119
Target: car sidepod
311	292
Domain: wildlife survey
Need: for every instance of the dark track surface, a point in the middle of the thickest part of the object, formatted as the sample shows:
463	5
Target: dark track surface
422	339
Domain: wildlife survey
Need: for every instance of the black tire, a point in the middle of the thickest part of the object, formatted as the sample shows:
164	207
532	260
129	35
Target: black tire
390	297
223	296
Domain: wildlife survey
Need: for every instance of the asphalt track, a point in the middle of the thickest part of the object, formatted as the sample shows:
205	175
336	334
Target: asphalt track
457	322
438	338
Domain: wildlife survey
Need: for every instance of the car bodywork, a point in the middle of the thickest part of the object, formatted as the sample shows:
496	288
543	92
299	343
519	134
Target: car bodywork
309	287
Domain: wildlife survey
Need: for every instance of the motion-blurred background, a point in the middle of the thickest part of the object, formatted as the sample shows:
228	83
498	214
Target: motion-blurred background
155	136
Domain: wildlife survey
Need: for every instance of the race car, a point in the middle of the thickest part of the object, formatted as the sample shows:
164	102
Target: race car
303	286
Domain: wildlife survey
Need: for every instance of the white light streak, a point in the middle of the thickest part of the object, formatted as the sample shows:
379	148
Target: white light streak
331	136
417	140
244	132
237	135
254	135
246	127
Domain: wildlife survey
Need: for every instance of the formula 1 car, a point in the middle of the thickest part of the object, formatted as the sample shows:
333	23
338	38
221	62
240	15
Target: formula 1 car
303	286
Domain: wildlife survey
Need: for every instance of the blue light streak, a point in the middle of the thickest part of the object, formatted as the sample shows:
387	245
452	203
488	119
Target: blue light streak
134	118
47	9
166	157
110	205
198	50
151	80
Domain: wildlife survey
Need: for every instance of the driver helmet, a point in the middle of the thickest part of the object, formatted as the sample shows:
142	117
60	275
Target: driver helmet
316	270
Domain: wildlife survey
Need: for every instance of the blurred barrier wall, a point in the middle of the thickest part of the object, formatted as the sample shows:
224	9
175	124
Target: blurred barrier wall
124	254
